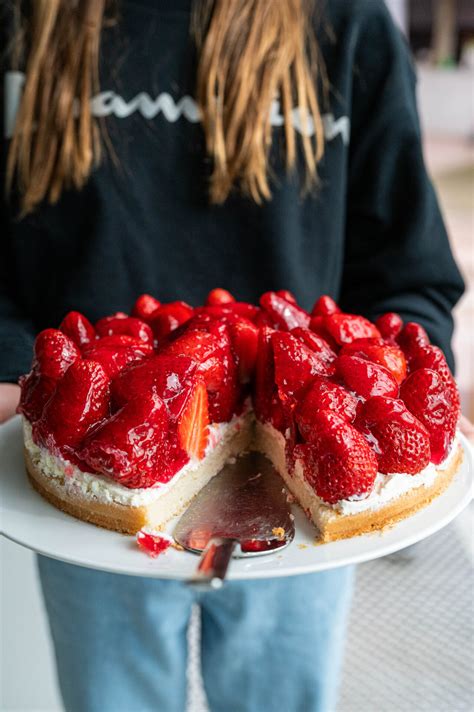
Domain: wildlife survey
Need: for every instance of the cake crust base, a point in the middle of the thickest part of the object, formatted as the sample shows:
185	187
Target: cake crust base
119	517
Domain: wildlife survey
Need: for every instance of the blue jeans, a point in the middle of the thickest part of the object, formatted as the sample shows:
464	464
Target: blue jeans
120	641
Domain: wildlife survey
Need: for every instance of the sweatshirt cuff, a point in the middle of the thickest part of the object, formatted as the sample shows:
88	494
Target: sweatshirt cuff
16	356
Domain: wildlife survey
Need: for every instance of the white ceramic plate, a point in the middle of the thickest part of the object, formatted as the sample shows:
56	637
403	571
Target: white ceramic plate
34	523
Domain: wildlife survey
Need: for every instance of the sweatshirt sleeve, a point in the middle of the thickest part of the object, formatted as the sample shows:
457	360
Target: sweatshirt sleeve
16	328
397	254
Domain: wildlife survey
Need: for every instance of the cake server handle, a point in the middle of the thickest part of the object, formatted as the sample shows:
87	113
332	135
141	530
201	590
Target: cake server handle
213	564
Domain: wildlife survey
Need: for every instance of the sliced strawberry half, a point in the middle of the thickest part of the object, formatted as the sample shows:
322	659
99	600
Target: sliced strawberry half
54	352
295	366
365	378
324	306
218	296
400	441
80	401
389	325
323	395
427	396
346	328
338	463
193	422
145	306
132	446
116	352
284	314
379	351
78	328
130	326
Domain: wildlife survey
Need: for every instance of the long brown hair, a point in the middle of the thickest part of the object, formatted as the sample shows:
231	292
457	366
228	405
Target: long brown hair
250	52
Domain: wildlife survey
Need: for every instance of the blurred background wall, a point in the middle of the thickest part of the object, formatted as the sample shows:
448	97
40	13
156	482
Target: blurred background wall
441	33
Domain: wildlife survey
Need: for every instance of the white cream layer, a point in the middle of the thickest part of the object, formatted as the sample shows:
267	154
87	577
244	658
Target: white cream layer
105	489
386	487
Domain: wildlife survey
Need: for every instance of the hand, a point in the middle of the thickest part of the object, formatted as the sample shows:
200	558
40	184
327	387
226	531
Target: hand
467	428
9	399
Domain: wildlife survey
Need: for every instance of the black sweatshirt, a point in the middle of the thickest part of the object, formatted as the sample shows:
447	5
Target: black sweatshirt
371	236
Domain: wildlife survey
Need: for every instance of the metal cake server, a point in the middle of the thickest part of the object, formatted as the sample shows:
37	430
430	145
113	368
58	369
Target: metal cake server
242	512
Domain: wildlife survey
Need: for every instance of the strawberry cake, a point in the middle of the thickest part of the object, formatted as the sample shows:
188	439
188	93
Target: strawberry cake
127	419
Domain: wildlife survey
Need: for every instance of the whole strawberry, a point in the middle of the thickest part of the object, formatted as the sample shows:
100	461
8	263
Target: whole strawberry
365	378
295	365
169	317
322	394
284	314
339	463
78	328
401	442
411	337
432	357
379	351
80	401
315	343
389	325
145	306
130	326
427	396
345	328
54	352
324	306
219	296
